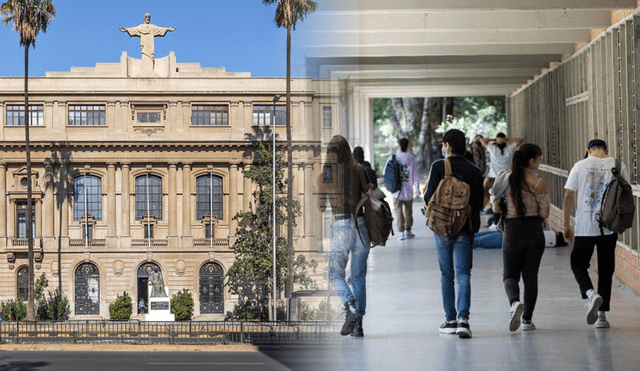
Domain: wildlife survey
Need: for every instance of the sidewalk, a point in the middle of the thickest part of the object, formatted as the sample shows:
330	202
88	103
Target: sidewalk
404	310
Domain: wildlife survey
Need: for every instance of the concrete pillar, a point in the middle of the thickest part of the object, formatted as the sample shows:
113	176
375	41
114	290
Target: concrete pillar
309	209
126	217
111	200
49	201
186	200
173	202
63	193
247	199
233	198
3	200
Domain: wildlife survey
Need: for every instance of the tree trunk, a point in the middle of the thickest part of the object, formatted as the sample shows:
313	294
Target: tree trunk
289	283
31	313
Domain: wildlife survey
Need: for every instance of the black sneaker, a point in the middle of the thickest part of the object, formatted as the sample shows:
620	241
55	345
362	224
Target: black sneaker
448	327
357	331
350	322
463	330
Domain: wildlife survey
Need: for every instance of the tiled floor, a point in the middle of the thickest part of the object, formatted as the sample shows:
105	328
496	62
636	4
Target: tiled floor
405	309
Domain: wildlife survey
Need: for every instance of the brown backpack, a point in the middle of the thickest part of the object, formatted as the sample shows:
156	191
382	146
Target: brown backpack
449	209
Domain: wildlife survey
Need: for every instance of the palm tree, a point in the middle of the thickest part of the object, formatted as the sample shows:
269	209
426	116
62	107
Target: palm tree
29	17
288	13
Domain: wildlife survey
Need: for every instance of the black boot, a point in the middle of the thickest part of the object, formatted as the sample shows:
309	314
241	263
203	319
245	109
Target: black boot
353	316
357	331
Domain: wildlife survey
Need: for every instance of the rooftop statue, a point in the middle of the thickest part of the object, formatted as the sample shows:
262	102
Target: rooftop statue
147	33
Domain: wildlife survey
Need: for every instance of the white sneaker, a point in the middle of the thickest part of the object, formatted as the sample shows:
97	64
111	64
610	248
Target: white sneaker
514	315
602	322
402	236
409	234
528	325
593	304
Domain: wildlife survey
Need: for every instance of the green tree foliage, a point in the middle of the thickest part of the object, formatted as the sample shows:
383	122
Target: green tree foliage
13	310
121	308
55	307
52	305
423	120
182	305
251	275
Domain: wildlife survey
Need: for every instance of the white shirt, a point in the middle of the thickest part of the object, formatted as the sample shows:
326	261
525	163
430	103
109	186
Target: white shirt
500	160
589	179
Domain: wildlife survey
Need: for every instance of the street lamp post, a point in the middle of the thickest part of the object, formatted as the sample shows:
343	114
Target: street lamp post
273	206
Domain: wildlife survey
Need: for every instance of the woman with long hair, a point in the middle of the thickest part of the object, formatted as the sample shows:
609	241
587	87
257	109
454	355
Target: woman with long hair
527	202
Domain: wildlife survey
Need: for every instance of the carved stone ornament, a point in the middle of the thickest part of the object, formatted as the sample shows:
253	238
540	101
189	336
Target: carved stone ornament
181	267
149	130
118	267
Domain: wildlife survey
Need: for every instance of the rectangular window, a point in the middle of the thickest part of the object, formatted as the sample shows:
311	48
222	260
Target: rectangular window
148	117
87	231
209	115
326	116
21	225
148	231
15	115
262	115
86	115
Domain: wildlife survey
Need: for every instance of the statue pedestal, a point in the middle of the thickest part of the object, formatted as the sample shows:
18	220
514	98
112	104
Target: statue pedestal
160	309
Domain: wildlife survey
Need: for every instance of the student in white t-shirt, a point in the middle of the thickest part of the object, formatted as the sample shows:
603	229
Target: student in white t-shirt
587	180
500	157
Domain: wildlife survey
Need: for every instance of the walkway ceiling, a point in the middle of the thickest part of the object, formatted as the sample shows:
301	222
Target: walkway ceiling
449	47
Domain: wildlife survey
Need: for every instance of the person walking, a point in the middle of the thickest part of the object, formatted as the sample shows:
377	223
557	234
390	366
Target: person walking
500	156
527	203
587	181
403	200
372	177
342	184
454	253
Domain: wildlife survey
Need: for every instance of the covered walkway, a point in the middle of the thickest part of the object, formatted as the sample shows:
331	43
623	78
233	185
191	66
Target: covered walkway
405	309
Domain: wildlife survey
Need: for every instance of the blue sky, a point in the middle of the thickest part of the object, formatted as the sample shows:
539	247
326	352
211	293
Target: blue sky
237	34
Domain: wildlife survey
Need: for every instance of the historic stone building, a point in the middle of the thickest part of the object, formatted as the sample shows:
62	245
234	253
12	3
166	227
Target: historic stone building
135	169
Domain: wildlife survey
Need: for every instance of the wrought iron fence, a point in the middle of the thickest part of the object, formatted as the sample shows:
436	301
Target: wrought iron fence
193	332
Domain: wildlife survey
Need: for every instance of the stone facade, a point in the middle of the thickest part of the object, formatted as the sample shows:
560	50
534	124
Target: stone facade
126	172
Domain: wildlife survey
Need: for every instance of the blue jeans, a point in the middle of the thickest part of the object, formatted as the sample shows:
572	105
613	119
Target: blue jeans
344	241
454	256
488	240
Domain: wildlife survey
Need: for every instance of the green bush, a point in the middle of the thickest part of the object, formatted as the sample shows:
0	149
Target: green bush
121	308
182	305
13	310
55	307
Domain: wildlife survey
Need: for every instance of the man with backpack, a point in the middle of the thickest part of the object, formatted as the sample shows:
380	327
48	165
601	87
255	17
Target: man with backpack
588	181
454	244
406	186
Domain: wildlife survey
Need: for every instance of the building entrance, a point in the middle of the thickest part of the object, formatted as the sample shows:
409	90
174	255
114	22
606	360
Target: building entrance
143	288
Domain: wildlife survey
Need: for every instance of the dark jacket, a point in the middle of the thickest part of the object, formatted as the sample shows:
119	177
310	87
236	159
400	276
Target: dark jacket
466	171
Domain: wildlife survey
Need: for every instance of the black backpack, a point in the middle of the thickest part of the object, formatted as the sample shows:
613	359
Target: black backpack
617	208
392	181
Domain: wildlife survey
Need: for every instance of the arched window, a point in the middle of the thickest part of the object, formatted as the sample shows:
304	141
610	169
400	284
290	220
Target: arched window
87	194
211	288
148	196
143	288
209	196
23	283
87	289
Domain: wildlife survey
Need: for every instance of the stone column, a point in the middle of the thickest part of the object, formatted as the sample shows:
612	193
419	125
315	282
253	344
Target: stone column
63	193
247	197
3	200
233	198
111	200
11	219
186	200
173	202
309	209
37	205
49	201
126	217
